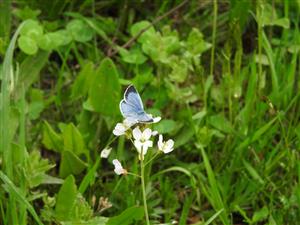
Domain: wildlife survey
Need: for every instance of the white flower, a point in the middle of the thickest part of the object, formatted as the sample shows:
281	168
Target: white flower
155	119
118	167
142	142
154	133
165	146
105	153
121	128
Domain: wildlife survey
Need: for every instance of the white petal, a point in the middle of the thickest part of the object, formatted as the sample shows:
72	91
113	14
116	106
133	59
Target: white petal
105	153
147	134
156	119
119	129
118	167
138	145
160	143
154	133
129	123
137	133
169	146
148	144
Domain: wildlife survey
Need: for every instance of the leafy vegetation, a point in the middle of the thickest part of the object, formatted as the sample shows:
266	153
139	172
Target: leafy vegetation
223	75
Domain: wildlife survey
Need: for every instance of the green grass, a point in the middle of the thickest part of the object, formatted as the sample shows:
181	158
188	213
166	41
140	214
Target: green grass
223	75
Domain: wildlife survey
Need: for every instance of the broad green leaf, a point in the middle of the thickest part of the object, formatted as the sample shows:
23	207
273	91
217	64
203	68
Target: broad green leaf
32	29
51	139
73	140
165	126
105	90
66	199
36	105
70	164
27	45
221	123
133	56
138	27
83	80
55	39
80	31
128	216
29	71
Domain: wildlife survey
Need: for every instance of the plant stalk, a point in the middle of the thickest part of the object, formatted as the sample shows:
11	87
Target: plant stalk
143	190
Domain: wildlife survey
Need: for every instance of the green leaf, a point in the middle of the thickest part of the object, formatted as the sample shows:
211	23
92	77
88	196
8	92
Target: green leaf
260	215
105	90
27	45
70	164
73	140
94	221
55	39
51	139
195	43
35	169
253	172
138	27
221	123
165	126
30	70
66	199
82	82
32	29
127	217
80	31
133	56
26	13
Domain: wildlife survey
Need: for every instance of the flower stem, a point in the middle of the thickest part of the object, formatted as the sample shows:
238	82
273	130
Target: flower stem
144	192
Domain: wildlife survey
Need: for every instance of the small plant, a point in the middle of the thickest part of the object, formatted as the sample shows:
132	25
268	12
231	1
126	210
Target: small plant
141	137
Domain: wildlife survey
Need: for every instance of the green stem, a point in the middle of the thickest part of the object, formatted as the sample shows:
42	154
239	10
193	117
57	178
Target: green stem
212	58
156	154
143	190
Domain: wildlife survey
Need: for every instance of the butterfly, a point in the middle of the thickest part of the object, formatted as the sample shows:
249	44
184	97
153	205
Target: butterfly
132	109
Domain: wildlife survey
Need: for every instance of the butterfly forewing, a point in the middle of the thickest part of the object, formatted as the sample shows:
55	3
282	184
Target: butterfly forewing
132	108
133	98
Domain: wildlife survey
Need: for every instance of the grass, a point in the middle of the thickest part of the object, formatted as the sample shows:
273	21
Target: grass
223	75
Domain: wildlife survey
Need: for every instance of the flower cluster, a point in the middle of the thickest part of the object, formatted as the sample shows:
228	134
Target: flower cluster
142	140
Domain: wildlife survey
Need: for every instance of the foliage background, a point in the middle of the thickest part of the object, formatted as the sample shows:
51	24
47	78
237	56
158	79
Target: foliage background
224	75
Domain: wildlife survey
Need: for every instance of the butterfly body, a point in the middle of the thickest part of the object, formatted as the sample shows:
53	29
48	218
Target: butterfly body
132	107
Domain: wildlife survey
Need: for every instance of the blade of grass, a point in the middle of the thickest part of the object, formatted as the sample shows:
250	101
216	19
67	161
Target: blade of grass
14	191
7	86
216	199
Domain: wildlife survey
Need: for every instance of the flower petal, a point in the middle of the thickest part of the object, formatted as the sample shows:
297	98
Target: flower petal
154	133
119	129
147	134
156	119
160	143
169	146
138	145
105	153
118	167
137	133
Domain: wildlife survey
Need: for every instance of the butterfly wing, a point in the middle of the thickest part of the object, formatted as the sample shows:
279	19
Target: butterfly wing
132	97
130	112
132	108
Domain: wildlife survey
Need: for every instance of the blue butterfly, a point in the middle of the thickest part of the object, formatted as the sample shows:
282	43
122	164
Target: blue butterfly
131	107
